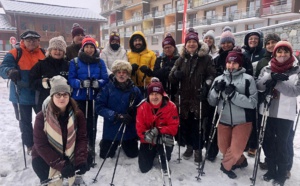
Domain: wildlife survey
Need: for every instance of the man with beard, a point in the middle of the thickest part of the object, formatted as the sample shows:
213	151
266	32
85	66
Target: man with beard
141	59
77	35
116	103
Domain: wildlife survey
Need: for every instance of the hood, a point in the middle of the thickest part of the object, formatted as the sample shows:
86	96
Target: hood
260	44
203	50
137	33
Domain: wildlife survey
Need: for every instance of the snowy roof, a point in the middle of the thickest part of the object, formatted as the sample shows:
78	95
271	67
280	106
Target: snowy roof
47	10
5	25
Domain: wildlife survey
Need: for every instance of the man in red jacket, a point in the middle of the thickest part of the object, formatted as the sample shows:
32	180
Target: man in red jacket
156	123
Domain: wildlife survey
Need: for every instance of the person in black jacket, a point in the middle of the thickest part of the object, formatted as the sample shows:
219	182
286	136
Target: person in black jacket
54	64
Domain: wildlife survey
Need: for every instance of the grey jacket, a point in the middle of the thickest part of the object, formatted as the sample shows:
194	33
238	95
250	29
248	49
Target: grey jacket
284	103
239	109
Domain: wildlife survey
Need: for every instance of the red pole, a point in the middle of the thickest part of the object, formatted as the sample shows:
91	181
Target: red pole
185	3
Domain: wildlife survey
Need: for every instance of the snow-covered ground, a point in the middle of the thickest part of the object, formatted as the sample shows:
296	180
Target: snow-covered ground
12	171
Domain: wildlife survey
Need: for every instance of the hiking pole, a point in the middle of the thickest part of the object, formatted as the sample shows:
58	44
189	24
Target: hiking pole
144	81
267	103
117	160
167	163
179	111
94	132
161	170
20	120
113	142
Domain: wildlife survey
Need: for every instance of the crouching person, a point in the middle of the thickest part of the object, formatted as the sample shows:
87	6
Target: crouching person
156	123
238	98
60	142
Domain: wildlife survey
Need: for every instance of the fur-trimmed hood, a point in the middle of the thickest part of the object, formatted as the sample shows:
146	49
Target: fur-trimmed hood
203	50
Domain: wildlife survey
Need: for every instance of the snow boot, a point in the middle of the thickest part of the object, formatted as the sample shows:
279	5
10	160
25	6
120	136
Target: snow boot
188	152
242	165
230	173
251	152
268	176
263	165
198	156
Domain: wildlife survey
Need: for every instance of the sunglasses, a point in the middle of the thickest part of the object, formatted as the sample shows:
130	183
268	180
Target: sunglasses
59	95
115	34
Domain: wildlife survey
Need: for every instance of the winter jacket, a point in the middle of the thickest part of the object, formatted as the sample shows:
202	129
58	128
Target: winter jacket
26	62
197	70
213	52
72	51
284	102
146	57
239	109
46	68
109	56
263	62
43	148
113	100
165	119
83	70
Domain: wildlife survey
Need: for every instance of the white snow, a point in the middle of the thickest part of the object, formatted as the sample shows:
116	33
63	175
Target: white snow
12	171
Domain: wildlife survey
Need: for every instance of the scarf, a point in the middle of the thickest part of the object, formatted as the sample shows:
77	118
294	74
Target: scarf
281	67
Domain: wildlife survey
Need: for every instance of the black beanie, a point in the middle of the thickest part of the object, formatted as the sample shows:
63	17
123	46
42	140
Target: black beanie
271	36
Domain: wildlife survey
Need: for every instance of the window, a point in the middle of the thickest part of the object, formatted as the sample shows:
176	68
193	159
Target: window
229	10
154	40
167	6
52	28
44	27
210	14
23	26
90	29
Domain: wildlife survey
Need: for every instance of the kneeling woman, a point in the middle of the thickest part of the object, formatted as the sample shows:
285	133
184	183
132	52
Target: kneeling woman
60	142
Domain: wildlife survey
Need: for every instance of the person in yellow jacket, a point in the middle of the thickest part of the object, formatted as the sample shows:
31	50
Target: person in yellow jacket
141	59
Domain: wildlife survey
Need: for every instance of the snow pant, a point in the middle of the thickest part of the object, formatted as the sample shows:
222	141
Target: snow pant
253	139
290	149
190	131
276	151
148	152
91	134
130	148
41	168
232	141
25	122
214	149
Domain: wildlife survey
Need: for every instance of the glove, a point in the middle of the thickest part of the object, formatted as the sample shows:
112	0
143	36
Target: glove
151	135
230	91
95	83
203	92
279	76
111	77
270	84
146	70
82	168
124	118
178	75
85	83
14	75
167	139
220	86
68	171
134	68
46	83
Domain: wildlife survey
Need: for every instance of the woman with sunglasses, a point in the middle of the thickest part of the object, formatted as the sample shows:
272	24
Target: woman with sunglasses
60	142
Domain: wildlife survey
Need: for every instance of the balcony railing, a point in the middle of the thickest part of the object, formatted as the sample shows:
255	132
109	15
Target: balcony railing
121	34
106	37
113	24
148	15
159	28
170	11
159	13
134	19
171	27
180	25
120	22
148	31
276	7
180	7
105	26
128	33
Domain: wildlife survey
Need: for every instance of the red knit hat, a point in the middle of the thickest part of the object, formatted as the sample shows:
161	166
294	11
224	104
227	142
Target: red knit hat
114	35
76	29
88	40
235	55
155	87
191	34
283	44
168	41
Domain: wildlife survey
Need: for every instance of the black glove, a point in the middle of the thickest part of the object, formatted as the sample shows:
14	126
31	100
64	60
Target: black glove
85	83
220	86
279	76
167	139
124	118
14	75
151	135
95	83
203	92
68	171
82	168
146	70
134	68
230	91
111	77
178	75
270	84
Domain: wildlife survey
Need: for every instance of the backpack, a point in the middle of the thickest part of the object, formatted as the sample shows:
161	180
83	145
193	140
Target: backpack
19	52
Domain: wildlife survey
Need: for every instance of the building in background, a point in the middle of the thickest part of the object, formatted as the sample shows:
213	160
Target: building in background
157	17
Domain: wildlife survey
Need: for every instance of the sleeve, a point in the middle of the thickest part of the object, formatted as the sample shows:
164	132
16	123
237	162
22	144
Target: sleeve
8	63
104	76
35	77
211	71
158	71
73	76
175	67
141	127
289	88
262	78
81	151
152	62
171	127
104	57
213	95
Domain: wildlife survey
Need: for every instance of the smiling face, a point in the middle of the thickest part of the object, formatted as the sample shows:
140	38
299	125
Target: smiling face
137	43
270	45
169	50
121	76
253	41
89	49
209	40
227	46
231	66
191	46
155	98
78	38
57	53
31	43
61	100
282	54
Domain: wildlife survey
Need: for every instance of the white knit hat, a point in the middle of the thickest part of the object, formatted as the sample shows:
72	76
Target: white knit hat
57	42
59	84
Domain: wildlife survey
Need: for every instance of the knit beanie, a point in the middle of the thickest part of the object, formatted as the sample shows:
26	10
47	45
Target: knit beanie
155	87
59	84
121	65
283	44
168	41
88	40
235	55
227	28
76	29
271	36
114	35
227	36
210	33
191	34
57	43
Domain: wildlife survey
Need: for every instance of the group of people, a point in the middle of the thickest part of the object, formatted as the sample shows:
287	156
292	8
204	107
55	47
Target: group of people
69	86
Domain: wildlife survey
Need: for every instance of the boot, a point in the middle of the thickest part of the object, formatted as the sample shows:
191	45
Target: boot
288	174
188	152
268	176
263	165
251	152
29	149
281	174
242	165
271	173
230	173
198	156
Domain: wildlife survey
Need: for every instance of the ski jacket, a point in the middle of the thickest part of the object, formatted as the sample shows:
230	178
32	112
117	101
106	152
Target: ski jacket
197	70
46	68
113	100
165	119
213	52
26	62
109	56
239	109
80	70
284	102
42	148
72	51
146	57
263	62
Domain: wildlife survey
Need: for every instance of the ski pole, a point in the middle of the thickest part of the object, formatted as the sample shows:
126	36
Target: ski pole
94	131
20	121
117	160
95	179
179	111
161	170
167	163
144	81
